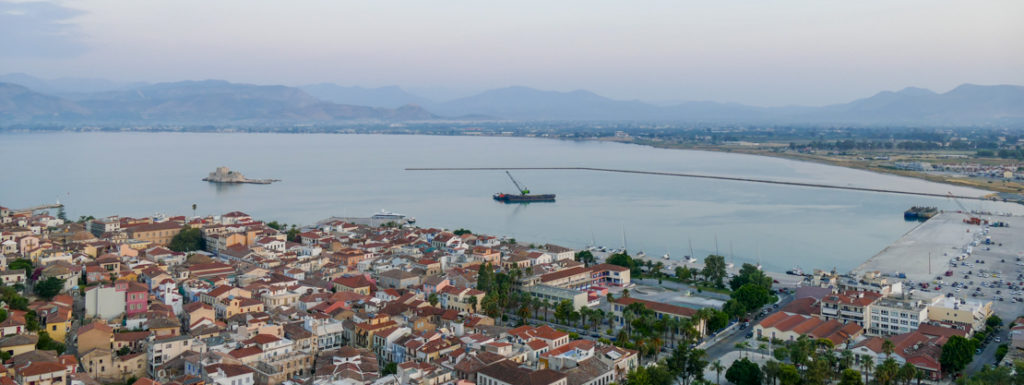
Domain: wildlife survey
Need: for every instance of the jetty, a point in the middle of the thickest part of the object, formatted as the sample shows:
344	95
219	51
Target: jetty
226	175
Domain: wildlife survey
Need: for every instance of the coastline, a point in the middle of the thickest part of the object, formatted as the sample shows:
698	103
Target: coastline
992	189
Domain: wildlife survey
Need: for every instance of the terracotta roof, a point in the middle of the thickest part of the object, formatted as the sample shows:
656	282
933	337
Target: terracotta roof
37	368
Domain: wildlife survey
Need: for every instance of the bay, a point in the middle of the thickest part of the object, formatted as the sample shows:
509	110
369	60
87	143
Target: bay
323	175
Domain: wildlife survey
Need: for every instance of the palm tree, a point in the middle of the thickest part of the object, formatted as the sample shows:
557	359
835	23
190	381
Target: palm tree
718	368
194	206
547	309
743	346
771	371
867	362
888	347
763	347
907	372
472	303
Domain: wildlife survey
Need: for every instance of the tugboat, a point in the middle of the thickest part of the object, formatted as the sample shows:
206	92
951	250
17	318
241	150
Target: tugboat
524	195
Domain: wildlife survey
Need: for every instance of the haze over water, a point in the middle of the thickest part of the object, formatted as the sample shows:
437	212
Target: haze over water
140	174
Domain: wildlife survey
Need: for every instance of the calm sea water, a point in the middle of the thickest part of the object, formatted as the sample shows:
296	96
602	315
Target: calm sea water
140	174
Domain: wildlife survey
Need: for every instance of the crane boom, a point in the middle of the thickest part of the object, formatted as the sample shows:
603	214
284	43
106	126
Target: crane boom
522	190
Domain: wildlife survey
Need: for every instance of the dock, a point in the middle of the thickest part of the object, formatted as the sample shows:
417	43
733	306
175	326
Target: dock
40	207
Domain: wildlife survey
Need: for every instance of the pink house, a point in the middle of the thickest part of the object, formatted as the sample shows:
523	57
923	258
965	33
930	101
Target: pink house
136	297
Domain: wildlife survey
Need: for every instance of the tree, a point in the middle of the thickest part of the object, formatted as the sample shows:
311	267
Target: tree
292	235
433	299
49	287
274	225
47	343
472	303
586	257
771	371
888	347
389	368
718	368
61	214
850	377
683	273
752	296
460	232
993	321
744	372
956	354
714	270
20	264
907	372
788	375
563	311
31	321
124	351
750	274
189	239
624	260
485	277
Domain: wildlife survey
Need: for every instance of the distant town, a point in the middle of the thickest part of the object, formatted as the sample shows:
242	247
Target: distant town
233	300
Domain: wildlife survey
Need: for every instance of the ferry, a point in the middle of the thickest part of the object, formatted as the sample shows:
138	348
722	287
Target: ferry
387	215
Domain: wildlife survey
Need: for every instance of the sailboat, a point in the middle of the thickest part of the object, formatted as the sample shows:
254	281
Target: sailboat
730	265
690	258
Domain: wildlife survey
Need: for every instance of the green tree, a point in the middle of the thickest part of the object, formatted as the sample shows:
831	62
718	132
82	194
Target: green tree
389	368
714	270
683	273
20	264
292	235
771	371
460	232
586	257
31	321
956	354
433	299
274	225
47	343
750	274
563	311
718	368
189	239
1001	352
49	287
124	351
788	375
624	260
744	372
993	321
752	296
850	377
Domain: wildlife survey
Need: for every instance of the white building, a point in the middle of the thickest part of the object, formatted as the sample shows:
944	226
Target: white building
891	316
228	374
104	302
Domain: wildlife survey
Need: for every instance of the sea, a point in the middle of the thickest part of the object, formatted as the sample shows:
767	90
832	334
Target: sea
142	174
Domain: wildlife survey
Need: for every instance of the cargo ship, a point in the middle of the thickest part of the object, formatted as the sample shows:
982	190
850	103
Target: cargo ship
524	195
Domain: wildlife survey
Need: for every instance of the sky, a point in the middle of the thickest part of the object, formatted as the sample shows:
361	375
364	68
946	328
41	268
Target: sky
766	53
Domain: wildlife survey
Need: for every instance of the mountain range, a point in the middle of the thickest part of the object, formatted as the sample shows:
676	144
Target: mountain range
27	99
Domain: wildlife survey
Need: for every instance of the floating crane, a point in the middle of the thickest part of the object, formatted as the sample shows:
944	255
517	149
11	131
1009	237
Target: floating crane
522	190
523	196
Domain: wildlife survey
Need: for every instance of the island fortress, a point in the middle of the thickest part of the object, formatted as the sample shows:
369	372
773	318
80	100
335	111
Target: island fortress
225	175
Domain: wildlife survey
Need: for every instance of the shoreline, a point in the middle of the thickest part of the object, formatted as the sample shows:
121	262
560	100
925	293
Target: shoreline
992	190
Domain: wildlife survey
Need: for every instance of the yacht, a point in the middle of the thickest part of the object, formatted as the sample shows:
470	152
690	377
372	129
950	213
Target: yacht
387	215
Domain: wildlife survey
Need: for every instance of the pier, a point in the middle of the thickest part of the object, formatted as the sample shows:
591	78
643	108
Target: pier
686	175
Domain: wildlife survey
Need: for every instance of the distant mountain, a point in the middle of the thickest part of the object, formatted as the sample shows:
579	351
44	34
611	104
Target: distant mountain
20	103
66	86
523	103
215	101
388	97
967	104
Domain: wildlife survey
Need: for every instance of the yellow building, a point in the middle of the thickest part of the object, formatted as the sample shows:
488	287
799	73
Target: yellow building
971	314
18	344
58	324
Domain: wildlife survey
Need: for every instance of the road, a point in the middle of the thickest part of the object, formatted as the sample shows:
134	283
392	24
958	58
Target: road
988	353
728	344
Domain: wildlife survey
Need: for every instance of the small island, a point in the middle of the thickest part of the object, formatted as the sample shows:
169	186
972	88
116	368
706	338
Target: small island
225	175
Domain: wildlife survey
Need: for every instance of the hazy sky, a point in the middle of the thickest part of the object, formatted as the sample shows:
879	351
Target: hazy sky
756	52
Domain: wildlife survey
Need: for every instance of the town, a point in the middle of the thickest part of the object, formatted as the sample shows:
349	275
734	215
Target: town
232	300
